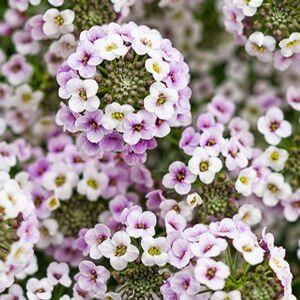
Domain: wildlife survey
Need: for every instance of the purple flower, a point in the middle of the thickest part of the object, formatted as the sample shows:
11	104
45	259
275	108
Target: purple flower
17	70
140	224
221	108
178	76
142	176
81	243
138	126
189	140
112	142
185	284
179	177
66	117
91	124
38	168
58	273
211	140
132	158
87	147
92	277
180	253
154	198
85	59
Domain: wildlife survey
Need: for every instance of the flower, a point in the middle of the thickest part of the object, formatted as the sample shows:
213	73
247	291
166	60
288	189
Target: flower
91	123
140	224
184	283
249	214
233	295
61	180
291	45
17	70
83	94
276	158
293	97
111	47
92	277
261	46
179	177
158	68
204	166
211	273
119	250
155	251
161	101
194	200
58	273
208	245
85	60
273	126
273	189
249	8
138	126
114	116
38	289
245	181
247	244
93	183
12	200
58	22
94	237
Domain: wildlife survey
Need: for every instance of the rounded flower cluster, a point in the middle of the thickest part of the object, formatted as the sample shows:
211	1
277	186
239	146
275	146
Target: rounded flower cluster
71	192
216	260
126	86
269	28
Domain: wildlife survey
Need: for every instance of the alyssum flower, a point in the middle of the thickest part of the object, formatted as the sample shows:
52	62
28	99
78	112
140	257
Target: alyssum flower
128	75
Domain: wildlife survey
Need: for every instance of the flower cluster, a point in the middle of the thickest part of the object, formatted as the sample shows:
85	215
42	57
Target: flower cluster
268	28
18	223
126	85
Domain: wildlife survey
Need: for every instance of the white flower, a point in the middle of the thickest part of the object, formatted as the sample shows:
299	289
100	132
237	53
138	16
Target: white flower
25	98
93	183
119	250
57	22
249	7
261	46
61	180
245	181
155	251
273	126
39	289
158	68
273	189
194	200
111	47
146	41
161	101
249	214
12	199
114	115
291	45
276	158
49	234
52	203
204	166
247	244
233	295
83	94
